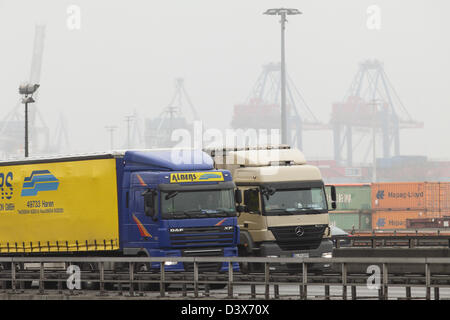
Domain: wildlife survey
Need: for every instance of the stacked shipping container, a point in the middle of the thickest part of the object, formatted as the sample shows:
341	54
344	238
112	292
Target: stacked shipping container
353	207
388	205
394	203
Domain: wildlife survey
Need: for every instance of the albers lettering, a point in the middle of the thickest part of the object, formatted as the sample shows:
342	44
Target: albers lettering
184	177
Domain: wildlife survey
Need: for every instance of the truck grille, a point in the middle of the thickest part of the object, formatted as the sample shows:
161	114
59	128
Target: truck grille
201	236
288	239
203	266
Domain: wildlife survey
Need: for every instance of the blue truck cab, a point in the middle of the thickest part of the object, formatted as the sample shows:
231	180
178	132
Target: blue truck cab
176	206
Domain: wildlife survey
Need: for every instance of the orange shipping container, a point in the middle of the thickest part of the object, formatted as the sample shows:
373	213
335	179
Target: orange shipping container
432	196
445	213
415	196
444	196
392	220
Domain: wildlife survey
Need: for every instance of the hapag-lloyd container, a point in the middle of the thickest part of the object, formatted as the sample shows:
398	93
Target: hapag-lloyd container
444	196
392	220
442	222
428	196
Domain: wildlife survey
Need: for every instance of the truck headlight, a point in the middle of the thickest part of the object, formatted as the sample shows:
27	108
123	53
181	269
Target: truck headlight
327	255
170	263
272	256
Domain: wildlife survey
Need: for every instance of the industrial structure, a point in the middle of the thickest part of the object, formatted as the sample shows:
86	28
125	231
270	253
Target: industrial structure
263	106
158	131
370	111
372	108
12	125
371	103
60	139
134	137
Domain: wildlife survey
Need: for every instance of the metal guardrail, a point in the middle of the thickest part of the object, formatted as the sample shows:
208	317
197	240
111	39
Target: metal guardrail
411	241
13	277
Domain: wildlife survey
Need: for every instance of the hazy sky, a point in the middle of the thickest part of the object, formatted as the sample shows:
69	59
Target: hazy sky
126	55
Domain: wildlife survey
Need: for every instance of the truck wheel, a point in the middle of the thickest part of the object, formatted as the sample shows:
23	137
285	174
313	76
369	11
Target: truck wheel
244	267
143	267
217	286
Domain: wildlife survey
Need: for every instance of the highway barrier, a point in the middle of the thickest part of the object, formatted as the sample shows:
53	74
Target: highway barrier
125	277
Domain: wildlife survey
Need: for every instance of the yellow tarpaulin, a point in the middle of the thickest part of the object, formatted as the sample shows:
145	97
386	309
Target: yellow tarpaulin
59	206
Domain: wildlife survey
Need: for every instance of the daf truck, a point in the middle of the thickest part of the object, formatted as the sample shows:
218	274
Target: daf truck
128	203
285	210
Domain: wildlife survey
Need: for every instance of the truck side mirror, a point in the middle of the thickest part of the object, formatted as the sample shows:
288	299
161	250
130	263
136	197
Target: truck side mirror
251	200
238	196
246	197
333	197
149	203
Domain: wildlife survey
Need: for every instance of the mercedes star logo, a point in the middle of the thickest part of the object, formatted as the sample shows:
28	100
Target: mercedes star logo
299	231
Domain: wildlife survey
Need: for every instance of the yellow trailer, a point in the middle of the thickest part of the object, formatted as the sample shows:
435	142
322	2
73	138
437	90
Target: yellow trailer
59	206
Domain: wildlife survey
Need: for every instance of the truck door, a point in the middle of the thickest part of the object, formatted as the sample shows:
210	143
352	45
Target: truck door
141	226
251	219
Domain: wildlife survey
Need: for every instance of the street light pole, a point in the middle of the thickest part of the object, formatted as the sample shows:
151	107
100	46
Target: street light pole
27	91
283	12
26	129
284	123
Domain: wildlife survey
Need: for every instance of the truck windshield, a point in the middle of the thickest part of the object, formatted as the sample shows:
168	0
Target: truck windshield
298	201
197	204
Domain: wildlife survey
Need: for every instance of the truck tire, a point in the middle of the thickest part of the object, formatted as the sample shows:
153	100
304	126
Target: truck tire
217	286
245	249
142	267
245	267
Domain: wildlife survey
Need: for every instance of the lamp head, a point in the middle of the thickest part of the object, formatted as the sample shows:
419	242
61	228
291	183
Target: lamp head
28	89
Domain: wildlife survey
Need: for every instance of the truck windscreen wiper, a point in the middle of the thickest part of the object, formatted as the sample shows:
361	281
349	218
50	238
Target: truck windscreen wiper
199	213
309	210
215	213
278	212
315	210
292	211
182	214
194	213
177	214
226	213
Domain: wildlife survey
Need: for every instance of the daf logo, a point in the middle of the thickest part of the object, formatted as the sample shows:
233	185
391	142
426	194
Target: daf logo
176	230
299	231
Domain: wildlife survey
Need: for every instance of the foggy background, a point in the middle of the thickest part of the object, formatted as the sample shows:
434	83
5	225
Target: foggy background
127	54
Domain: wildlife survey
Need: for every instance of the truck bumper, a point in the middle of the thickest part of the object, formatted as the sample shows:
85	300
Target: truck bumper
203	266
271	249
